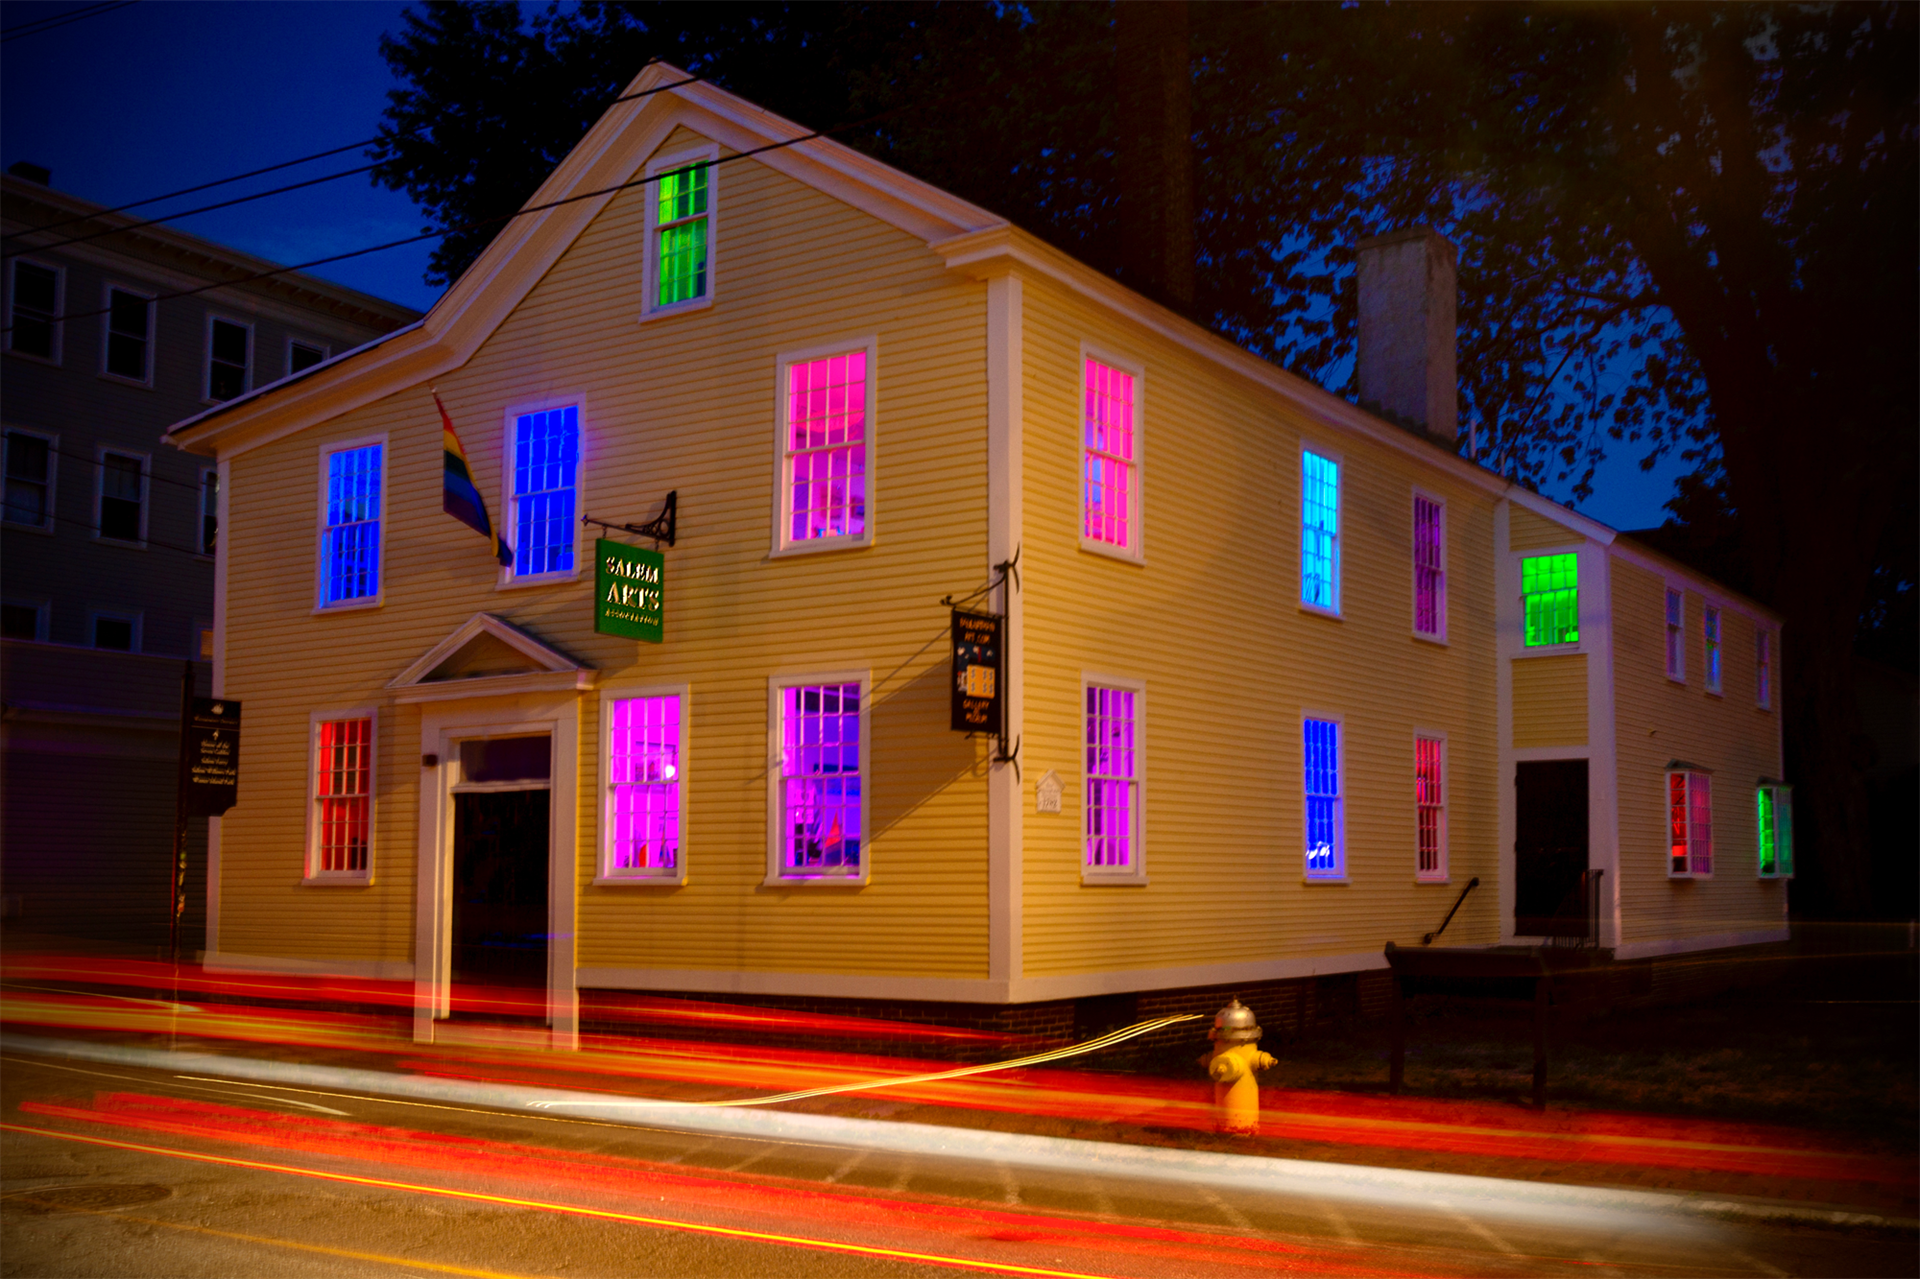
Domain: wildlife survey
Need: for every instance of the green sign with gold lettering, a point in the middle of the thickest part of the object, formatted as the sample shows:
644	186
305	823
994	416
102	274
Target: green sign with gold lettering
627	583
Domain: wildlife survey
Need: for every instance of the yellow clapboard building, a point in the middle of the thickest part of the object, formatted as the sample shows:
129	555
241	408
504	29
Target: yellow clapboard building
1277	677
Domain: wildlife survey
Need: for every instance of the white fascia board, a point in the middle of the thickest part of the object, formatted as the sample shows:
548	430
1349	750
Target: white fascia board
1548	509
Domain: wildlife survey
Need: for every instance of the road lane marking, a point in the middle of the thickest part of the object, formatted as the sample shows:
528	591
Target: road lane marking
859	1157
1478	1229
1774	1271
1235	1218
1341	1225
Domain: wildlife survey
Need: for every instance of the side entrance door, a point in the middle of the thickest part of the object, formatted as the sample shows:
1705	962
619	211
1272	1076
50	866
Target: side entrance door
1550	848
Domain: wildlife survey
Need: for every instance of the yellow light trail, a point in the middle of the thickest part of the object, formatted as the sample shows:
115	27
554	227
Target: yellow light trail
603	1214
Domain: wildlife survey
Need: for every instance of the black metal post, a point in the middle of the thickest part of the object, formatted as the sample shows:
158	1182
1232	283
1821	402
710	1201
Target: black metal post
177	872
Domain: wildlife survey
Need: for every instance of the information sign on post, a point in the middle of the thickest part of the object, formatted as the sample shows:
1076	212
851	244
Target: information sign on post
211	752
976	673
628	591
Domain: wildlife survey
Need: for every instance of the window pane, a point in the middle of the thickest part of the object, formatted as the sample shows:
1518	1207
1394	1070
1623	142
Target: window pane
301	357
1322	778
683	262
120	495
227	361
1551	587
1319	531
19	621
1108	463
820	778
546	466
1112	778
826	447
29	460
1700	823
1428	804
643	774
683	194
1429	568
127	316
350	547
114	633
1677	823
1769	864
34	291
343	792
209	512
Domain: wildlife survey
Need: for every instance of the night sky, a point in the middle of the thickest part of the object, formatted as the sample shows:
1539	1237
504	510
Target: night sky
165	94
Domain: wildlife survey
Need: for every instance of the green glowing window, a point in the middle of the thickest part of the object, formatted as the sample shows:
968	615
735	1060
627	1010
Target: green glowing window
1776	830
681	235
1551	587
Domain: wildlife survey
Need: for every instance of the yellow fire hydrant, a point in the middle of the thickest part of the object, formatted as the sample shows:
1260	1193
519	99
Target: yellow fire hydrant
1235	1056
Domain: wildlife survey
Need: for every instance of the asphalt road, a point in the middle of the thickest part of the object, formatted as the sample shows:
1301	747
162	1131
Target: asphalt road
126	1171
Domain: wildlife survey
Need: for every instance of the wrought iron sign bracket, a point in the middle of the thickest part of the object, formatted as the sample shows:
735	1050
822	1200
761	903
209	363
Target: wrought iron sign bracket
1004	569
661	528
1009	757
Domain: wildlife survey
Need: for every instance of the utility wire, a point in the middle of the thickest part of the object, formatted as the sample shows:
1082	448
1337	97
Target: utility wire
145	541
94	461
48	23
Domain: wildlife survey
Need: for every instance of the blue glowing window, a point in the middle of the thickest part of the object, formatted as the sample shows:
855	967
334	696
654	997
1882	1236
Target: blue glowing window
350	543
546	472
1326	851
1320	531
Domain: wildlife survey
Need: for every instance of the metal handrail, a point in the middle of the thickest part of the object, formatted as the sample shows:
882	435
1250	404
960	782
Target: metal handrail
1471	885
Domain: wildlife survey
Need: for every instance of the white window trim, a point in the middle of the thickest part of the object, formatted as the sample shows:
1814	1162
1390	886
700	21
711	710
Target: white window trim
327	450
42	610
325	349
1763	635
1444	874
1777	788
137	619
107	289
1137	489
1677	673
1715	683
206	360
1136	874
1340	780
100	452
311	876
59	311
1300	532
604	874
52	439
1413	567
776	685
650	263
783	545
200	526
1666	811
509	507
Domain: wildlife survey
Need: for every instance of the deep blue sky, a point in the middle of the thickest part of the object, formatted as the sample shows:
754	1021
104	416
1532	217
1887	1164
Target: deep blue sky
165	94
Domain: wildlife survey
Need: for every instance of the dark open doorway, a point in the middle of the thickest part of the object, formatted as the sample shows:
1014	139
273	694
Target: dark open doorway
1550	848
499	898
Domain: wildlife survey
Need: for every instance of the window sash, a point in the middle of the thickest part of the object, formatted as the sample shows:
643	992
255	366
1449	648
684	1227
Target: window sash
302	356
1325	851
1430	807
1710	641
1319	531
1113	784
350	544
546	475
36	295
114	628
342	796
1762	667
826	447
680	235
227	350
122	496
1676	636
1775	824
29	479
820	786
643	784
1429	568
1550	588
1107	467
129	321
1689	824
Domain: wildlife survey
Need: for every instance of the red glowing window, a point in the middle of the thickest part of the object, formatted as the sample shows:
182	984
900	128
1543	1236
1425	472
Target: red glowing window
826	448
643	787
343	796
1430	808
1110	478
821	808
1689	823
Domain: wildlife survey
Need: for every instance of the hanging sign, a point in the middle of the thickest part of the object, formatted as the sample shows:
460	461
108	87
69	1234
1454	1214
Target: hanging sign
210	750
627	591
976	673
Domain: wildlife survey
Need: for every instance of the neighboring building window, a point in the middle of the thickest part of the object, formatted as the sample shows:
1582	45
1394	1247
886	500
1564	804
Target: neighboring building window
23	621
1113	781
1429	568
206	643
1326	836
1550	585
350	537
680	235
302	356
228	346
1689	823
29	498
546	475
342	798
209	510
123	492
1676	636
1429	798
825	449
1710	635
1763	668
821	803
1776	830
1110	476
129	331
32	328
643	788
117	631
1320	532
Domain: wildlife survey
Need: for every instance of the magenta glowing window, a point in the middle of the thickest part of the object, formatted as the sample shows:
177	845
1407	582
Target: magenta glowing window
820	802
1110	494
1429	568
1113	781
343	796
643	786
826	447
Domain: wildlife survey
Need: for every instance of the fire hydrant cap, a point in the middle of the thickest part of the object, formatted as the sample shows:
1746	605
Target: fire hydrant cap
1235	1024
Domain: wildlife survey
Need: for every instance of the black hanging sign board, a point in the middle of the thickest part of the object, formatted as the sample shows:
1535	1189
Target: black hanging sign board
210	747
977	674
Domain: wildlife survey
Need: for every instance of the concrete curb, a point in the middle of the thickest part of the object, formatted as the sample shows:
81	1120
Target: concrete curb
1293	1178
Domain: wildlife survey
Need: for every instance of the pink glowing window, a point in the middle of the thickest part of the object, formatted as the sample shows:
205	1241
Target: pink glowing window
1429	568
1109	488
820	798
643	787
1689	823
1430	808
1113	780
826	448
343	796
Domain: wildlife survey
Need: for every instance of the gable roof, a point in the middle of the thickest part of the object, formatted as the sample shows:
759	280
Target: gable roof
488	655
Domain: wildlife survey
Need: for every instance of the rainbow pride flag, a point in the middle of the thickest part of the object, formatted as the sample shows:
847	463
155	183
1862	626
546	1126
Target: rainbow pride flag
460	497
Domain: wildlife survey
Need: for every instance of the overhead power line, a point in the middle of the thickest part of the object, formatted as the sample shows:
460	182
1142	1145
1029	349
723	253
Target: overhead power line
48	23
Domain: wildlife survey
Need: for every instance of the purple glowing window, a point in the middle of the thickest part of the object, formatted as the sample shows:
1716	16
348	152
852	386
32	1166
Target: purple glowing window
1429	569
643	786
821	828
1326	845
1108	478
826	447
1113	782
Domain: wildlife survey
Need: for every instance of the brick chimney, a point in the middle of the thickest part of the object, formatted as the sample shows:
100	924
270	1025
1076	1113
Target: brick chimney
1407	330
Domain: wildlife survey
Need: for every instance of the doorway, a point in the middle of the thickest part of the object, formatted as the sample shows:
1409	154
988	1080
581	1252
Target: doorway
1550	848
499	920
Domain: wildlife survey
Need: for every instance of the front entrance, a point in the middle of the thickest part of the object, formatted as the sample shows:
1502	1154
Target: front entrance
500	924
1550	848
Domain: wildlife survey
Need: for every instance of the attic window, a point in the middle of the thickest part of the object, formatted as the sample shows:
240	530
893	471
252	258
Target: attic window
680	236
